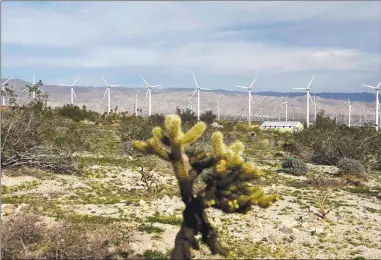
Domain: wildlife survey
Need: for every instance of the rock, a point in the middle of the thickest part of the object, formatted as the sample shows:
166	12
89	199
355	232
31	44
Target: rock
166	199
134	247
217	220
46	196
317	230
142	203
287	225
112	250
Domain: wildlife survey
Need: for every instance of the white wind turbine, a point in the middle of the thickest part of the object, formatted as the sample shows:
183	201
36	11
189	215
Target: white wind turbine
136	102
3	91
308	100
315	107
250	98
286	103
377	101
198	97
72	92
218	108
149	90
349	112
108	90
190	103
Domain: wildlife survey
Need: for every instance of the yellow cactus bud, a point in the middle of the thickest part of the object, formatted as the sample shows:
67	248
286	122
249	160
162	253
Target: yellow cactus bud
237	147
221	166
158	132
219	147
140	146
193	134
173	126
212	202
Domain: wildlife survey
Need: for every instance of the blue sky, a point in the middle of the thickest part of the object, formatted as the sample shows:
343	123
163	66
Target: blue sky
223	43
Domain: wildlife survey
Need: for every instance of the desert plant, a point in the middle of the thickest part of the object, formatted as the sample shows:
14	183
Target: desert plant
208	117
350	167
323	204
294	166
150	180
227	187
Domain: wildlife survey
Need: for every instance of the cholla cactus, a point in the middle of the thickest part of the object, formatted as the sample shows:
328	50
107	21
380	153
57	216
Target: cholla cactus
227	187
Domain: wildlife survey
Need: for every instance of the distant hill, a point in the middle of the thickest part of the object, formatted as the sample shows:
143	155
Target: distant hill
232	103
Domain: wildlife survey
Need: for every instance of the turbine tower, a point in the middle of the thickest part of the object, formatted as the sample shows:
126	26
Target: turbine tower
3	91
198	97
218	109
250	98
349	112
315	107
377	101
308	100
286	103
149	90
136	102
72	92
108	91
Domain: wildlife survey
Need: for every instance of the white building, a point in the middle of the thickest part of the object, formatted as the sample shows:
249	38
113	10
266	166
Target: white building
286	126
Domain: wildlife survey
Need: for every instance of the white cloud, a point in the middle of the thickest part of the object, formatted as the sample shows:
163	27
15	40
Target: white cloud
215	38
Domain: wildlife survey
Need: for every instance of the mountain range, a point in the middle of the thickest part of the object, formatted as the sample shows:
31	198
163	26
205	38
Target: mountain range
232	103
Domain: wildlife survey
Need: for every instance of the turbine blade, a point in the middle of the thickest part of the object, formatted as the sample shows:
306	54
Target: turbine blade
6	81
311	80
157	86
195	81
75	81
368	86
104	80
65	85
241	87
74	94
252	100
299	88
145	81
194	93
137	92
253	82
105	93
205	89
114	85
146	95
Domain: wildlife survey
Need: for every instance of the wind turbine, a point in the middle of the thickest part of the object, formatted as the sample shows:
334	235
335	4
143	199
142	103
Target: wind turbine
218	109
72	93
34	88
315	107
250	98
149	90
308	100
286	103
3	91
198	96
136	102
349	112
377	101
108	90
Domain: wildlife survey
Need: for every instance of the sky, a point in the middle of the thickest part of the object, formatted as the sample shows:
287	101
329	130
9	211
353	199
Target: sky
223	43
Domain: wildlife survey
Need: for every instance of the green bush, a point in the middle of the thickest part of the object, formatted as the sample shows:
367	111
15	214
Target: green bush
350	166
294	166
327	142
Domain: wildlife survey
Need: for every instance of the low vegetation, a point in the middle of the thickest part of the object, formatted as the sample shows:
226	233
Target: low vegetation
79	184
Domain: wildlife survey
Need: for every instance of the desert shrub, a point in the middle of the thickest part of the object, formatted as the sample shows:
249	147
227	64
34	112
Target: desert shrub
28	237
188	117
208	117
34	136
294	166
350	166
77	114
327	142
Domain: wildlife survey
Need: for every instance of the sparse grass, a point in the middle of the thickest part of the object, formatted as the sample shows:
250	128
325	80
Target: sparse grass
154	254
171	220
25	186
150	229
